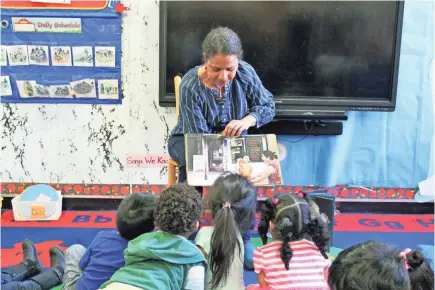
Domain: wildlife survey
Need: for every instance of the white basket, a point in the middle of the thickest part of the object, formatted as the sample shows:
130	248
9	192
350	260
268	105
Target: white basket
37	210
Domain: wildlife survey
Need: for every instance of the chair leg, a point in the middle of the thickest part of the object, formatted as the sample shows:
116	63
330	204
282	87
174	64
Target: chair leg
171	174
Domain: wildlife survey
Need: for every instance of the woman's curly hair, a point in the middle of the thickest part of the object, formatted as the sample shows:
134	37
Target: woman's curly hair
177	209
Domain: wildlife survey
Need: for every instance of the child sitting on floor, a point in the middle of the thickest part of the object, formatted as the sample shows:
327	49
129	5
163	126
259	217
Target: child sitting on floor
87	269
231	200
291	261
166	260
369	266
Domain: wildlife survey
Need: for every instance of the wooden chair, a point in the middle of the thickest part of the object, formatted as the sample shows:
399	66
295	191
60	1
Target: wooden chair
173	165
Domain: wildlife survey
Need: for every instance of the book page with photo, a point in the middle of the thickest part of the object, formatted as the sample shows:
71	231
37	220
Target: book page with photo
254	156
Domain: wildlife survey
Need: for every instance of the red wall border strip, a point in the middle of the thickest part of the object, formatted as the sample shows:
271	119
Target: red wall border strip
116	190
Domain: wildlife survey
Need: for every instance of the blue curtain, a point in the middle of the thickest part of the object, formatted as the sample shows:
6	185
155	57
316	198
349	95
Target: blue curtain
378	149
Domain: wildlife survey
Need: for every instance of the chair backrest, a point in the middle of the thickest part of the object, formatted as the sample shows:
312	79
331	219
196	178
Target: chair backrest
177	80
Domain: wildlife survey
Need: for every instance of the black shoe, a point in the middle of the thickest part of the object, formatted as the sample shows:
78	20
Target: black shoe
31	255
30	266
53	276
57	261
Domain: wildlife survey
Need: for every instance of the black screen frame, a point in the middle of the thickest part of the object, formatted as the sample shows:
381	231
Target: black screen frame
288	105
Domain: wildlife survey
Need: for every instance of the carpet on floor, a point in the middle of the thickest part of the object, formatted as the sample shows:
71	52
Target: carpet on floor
80	227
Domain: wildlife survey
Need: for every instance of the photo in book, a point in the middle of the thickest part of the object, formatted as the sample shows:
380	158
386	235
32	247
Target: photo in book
254	156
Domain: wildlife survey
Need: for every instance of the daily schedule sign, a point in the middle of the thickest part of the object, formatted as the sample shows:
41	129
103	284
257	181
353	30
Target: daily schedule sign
60	51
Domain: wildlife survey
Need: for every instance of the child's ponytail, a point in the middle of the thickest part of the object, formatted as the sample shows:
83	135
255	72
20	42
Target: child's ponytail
414	259
317	228
223	243
267	214
231	200
285	227
420	272
319	233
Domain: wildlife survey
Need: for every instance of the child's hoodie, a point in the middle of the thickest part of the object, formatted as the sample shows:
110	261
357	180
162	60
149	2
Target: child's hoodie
158	260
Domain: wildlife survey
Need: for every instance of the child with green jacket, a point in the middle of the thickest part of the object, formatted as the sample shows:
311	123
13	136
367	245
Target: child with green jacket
165	259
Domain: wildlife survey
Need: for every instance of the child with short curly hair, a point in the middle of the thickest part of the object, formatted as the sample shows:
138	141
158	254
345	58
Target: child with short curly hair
165	259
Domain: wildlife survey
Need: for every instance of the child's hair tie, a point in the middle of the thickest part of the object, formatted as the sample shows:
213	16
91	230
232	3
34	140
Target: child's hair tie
226	205
275	201
403	256
301	194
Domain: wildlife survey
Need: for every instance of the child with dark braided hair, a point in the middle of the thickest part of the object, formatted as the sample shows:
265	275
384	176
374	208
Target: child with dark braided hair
296	258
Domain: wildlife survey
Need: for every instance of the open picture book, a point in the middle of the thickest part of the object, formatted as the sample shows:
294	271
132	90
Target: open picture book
254	156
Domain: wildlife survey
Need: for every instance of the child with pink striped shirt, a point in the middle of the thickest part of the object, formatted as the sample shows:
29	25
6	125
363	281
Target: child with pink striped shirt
296	259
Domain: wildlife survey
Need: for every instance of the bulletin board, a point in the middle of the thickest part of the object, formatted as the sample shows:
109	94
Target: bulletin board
67	52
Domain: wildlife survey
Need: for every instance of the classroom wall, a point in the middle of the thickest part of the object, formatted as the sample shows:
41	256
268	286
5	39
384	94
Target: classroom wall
88	143
74	143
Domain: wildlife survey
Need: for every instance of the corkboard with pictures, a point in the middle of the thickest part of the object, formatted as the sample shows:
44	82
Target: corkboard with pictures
61	55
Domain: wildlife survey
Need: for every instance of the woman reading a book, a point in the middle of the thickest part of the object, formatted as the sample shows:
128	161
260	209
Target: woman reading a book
222	96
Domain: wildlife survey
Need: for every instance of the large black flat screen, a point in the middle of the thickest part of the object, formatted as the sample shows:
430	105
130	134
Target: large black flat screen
329	50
